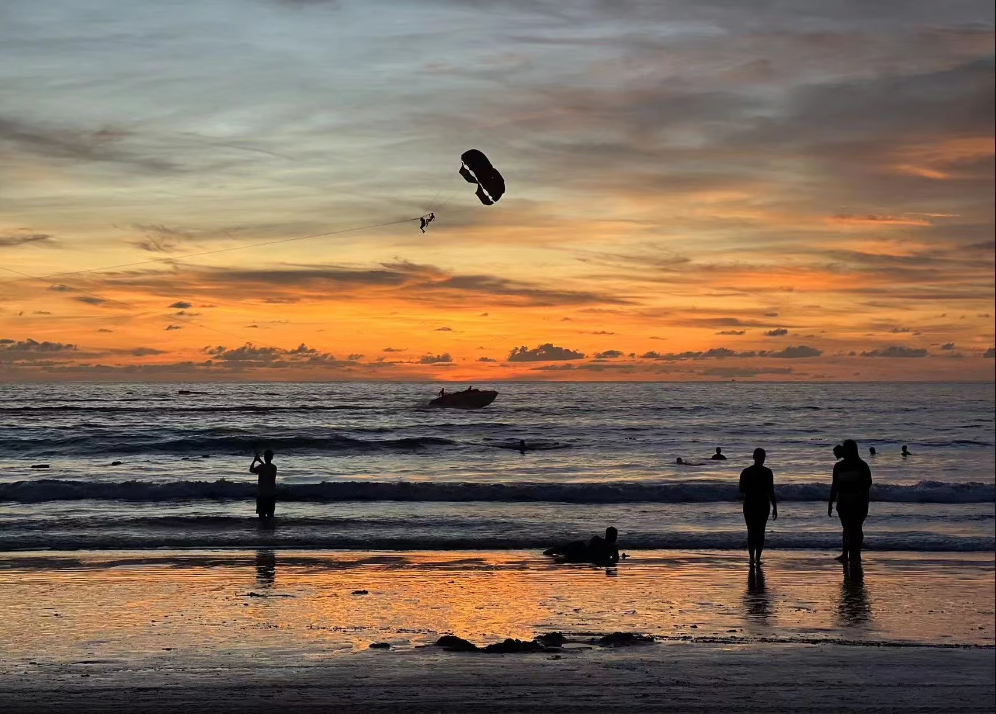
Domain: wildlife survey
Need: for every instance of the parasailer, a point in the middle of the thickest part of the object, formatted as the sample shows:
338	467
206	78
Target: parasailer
425	220
476	168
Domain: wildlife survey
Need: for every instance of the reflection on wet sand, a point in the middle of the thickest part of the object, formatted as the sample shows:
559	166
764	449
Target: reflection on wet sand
757	604
266	568
853	606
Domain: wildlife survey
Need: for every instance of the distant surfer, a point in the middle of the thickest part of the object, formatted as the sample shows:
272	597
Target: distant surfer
598	550
266	489
906	451
522	446
718	456
681	462
442	392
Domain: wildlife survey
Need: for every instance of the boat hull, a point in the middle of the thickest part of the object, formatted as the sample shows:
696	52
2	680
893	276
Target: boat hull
477	399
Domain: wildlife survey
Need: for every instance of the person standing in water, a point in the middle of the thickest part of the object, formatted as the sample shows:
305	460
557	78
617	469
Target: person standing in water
718	456
906	451
266	490
851	489
757	489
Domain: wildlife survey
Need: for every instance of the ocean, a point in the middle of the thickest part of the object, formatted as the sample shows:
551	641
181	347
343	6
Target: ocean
370	466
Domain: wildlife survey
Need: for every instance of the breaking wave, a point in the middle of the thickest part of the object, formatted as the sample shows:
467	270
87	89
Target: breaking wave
609	492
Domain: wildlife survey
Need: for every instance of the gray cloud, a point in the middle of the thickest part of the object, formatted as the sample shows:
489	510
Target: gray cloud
896	351
547	352
435	359
777	332
106	145
181	305
12	240
609	354
990	353
800	352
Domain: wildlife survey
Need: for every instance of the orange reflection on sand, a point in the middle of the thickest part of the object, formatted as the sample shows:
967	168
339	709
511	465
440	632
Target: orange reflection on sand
311	605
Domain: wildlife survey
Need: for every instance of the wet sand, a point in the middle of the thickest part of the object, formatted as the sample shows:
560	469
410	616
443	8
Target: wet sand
677	677
157	631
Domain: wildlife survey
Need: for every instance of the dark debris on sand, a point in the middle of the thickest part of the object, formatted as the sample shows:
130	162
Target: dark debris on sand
547	642
624	639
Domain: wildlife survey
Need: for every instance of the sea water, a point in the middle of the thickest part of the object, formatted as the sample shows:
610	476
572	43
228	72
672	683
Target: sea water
373	466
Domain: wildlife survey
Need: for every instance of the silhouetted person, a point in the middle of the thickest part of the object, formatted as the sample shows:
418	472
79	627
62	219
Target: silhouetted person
598	550
522	446
681	462
718	456
442	392
757	488
871	451
424	221
266	491
851	489
838	452
906	451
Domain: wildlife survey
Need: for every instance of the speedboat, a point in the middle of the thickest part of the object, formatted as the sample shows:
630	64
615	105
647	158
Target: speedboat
467	399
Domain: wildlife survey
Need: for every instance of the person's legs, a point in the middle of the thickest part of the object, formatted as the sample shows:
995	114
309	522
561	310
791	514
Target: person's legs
760	525
751	546
844	533
856	540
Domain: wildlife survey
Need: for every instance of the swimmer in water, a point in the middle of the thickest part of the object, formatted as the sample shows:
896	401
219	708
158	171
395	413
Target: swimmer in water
906	451
718	456
522	446
598	550
871	451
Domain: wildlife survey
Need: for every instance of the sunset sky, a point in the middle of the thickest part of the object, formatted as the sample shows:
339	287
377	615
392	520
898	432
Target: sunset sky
697	189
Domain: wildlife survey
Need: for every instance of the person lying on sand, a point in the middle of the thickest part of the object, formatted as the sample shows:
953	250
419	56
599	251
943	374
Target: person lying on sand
598	550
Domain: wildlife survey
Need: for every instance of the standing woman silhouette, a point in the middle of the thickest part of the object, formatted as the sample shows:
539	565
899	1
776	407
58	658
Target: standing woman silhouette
851	489
757	489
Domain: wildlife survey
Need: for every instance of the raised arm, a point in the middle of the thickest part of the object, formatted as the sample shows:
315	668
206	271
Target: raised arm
252	466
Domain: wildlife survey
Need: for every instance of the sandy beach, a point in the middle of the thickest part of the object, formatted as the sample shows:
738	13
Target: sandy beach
236	630
676	677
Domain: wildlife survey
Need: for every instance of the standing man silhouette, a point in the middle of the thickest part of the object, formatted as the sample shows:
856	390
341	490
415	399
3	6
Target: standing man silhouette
757	489
266	490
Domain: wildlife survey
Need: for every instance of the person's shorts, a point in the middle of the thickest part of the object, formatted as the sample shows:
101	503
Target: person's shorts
852	511
266	506
756	514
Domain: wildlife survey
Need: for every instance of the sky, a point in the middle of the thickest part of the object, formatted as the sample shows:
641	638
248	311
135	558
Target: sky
696	190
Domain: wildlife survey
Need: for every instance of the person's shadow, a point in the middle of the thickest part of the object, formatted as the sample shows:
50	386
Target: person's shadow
853	606
266	568
757	604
